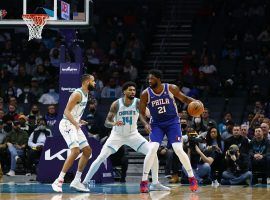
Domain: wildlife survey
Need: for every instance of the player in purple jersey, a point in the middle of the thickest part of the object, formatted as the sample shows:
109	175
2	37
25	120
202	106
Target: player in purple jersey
159	98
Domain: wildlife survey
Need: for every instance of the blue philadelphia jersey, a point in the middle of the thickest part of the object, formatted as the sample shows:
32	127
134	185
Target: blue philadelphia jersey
162	106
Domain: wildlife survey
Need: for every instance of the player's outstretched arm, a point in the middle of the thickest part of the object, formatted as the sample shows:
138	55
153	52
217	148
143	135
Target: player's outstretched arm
179	95
73	100
142	109
109	122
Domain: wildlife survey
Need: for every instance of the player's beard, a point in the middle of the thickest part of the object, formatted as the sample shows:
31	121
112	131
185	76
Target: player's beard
153	86
90	87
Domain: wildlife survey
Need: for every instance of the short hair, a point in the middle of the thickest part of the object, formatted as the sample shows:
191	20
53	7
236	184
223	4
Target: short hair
128	84
157	73
85	77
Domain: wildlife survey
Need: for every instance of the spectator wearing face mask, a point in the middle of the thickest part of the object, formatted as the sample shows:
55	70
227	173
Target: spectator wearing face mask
35	112
23	122
36	143
16	142
27	97
51	97
198	125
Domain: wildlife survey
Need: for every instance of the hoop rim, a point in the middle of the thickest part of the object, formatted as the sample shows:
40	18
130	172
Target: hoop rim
31	16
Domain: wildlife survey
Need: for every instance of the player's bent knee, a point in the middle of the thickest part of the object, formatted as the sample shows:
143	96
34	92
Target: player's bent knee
75	151
153	148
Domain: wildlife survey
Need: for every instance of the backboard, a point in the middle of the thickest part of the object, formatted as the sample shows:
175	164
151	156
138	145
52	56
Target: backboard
61	12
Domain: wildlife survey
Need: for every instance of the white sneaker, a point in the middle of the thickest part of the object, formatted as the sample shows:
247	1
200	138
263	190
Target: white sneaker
10	173
57	185
158	187
76	184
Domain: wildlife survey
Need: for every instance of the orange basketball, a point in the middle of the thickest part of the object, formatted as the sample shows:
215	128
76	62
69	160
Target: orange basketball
195	108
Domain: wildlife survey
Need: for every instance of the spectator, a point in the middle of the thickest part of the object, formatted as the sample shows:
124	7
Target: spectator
198	125
99	86
213	138
35	88
11	113
3	146
244	131
222	126
55	57
12	91
36	143
112	90
265	130
206	118
260	155
23	123
41	74
130	72
13	101
35	112
51	116
51	97
206	68
27	97
23	78
238	140
264	35
237	168
16	142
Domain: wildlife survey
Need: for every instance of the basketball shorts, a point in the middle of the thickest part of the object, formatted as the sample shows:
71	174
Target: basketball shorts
134	140
172	131
72	137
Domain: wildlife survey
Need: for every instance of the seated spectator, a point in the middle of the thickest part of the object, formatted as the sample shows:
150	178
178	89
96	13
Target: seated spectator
238	140
237	164
198	125
35	112
23	123
112	90
130	72
27	97
244	131
260	154
36	88
213	138
206	118
51	116
51	97
11	113
36	143
206	68
99	86
3	146
12	90
16	142
265	130
13	101
222	126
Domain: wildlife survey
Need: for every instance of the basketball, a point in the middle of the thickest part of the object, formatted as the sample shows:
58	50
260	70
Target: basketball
195	108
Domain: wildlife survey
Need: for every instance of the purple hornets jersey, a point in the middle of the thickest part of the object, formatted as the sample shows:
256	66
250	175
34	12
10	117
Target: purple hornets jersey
162	106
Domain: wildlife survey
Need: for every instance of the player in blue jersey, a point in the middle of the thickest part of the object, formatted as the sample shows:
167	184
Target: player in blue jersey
159	98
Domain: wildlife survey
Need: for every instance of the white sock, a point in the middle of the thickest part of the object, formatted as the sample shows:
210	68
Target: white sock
149	159
61	176
16	158
104	154
145	149
78	175
183	157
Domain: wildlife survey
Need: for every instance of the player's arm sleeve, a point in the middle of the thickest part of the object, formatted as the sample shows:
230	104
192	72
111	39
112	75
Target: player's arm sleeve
179	95
109	122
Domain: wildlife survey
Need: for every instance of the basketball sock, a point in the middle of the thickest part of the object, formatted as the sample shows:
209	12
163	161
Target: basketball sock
104	154
149	159
145	149
61	176
78	175
183	157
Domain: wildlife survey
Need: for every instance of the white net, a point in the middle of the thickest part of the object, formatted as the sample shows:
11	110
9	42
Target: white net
35	23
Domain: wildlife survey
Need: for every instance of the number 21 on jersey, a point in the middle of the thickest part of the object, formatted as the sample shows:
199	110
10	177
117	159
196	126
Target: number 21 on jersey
161	109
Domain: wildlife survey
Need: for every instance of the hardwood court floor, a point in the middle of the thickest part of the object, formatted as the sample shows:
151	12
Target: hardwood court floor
131	192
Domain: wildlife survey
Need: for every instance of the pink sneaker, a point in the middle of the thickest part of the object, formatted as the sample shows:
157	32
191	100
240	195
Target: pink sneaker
144	187
193	184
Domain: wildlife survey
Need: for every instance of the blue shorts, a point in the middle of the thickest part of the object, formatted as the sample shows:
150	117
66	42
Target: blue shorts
172	131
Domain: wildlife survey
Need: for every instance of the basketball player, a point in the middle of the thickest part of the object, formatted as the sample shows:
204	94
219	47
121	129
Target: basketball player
159	98
122	118
70	128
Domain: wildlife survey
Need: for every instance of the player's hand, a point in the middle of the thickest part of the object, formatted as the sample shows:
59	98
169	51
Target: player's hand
147	128
118	123
78	126
82	122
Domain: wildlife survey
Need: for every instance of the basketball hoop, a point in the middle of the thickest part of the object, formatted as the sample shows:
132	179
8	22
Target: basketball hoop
35	23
